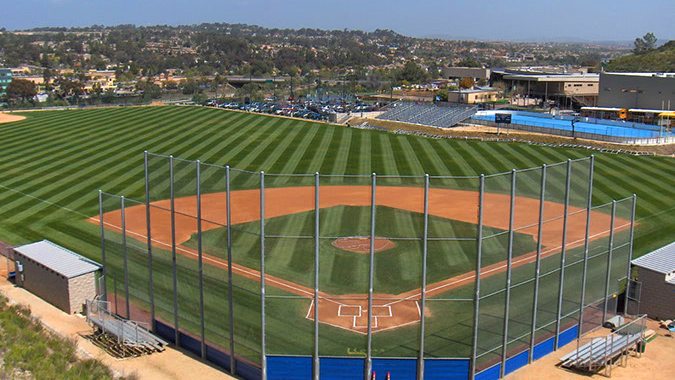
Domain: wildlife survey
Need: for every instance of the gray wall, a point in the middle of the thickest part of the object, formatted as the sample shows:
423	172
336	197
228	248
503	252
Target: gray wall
618	90
657	298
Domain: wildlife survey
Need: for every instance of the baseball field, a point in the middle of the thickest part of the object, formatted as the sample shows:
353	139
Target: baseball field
53	163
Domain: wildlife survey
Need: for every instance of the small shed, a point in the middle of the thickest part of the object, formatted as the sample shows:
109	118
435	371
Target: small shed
656	273
56	274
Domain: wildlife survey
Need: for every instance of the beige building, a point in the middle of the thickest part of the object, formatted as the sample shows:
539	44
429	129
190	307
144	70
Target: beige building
582	89
57	275
474	96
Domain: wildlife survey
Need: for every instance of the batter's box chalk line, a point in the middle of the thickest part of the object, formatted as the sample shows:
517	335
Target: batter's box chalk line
347	313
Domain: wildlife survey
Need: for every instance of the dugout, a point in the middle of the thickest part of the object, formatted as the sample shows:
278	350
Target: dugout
56	274
656	275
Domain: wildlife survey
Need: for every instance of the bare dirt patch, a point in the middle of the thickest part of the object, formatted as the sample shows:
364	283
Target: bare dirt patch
361	244
10	118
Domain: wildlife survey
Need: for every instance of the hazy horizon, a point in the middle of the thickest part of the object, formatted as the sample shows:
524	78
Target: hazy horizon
524	20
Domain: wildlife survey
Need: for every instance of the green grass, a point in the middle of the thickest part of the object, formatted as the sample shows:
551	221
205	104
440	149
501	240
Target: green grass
53	163
30	351
396	270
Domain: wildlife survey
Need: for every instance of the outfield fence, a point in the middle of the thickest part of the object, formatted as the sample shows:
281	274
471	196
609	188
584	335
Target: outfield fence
300	276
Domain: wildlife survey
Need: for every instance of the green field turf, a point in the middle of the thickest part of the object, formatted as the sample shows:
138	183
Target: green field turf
396	270
53	163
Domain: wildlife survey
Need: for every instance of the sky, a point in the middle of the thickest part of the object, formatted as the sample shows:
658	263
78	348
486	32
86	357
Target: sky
556	20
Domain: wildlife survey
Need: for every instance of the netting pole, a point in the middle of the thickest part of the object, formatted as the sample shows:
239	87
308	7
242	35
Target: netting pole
315	367
200	261
369	348
584	274
630	251
423	295
476	298
263	354
151	284
537	265
230	290
125	253
174	262
563	253
103	258
609	262
509	259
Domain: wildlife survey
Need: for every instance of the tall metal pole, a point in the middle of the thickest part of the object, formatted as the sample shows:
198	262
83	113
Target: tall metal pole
563	254
230	294
509	259
476	298
423	294
151	284
200	262
630	251
537	265
584	274
103	258
609	262
315	367
263	353
125	256
174	263
369	348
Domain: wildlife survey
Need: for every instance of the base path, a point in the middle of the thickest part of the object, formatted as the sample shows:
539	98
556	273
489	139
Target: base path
349	312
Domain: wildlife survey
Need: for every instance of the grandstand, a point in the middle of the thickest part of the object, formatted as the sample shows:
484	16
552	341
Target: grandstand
444	116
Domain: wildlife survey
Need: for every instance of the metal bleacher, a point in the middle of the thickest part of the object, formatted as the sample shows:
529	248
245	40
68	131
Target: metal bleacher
445	116
601	352
120	336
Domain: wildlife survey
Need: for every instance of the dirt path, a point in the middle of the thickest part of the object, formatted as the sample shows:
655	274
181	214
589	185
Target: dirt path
9	118
396	310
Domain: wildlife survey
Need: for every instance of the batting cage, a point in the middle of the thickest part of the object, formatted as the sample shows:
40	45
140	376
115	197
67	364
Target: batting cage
301	276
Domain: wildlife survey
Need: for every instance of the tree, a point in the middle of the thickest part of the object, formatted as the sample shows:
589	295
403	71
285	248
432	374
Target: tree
21	89
645	44
412	73
466	82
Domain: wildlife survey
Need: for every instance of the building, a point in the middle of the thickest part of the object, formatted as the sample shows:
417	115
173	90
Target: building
656	273
5	80
478	74
474	96
650	91
57	275
566	89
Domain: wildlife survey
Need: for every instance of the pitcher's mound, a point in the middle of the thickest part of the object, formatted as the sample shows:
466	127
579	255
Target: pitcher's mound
360	244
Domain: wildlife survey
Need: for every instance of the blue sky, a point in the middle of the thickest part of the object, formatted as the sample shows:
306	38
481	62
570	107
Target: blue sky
617	20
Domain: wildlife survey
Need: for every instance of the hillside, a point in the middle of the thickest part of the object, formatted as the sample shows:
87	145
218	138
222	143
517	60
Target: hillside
661	60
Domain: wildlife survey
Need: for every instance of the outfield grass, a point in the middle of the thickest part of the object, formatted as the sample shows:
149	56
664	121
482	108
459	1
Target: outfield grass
53	163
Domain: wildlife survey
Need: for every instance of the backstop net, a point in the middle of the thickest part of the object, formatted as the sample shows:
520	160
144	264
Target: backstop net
294	276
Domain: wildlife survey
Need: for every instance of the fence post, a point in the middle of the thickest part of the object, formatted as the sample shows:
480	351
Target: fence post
103	258
174	262
369	348
476	299
151	284
423	295
563	253
589	206
263	353
125	253
509	257
537	266
630	252
200	262
315	368
230	295
609	261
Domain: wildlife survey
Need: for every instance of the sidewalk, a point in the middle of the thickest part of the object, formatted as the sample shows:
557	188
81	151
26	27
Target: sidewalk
170	364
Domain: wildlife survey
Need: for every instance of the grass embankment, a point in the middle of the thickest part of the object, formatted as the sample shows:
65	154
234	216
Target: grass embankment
28	351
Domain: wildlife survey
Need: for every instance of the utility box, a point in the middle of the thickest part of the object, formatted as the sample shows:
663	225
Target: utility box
57	275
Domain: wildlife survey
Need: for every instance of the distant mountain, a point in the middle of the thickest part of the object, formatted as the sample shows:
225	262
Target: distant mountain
661	59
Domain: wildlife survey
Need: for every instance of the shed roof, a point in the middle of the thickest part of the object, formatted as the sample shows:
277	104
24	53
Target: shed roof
58	259
662	260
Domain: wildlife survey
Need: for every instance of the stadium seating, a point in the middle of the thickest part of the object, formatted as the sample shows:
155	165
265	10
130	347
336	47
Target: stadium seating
444	116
